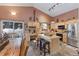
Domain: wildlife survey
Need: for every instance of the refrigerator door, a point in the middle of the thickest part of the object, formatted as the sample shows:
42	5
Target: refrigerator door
71	31
72	34
77	33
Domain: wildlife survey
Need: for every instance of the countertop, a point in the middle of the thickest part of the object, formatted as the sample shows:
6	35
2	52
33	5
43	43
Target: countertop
49	38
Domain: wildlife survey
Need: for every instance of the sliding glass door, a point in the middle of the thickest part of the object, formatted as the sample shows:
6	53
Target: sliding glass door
19	33
18	28
15	30
11	27
7	27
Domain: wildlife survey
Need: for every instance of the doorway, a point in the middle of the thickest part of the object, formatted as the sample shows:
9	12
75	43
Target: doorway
15	31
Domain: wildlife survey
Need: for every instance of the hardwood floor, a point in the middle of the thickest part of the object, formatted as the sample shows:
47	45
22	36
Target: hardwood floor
9	51
65	50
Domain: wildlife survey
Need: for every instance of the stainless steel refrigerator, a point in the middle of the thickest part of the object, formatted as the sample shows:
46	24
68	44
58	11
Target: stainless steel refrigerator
73	34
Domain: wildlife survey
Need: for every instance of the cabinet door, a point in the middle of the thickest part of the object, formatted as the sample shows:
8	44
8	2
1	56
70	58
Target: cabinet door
65	37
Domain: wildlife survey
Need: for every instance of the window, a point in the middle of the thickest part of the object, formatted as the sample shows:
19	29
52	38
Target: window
7	25
17	25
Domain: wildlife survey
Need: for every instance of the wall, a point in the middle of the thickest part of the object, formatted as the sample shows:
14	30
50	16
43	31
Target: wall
67	16
22	13
43	17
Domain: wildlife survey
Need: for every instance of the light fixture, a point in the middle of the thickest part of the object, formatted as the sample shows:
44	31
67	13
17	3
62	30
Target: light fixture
53	7
13	13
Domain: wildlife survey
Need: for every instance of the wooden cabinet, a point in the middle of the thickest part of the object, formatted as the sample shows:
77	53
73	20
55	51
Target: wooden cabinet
24	47
54	44
65	38
33	28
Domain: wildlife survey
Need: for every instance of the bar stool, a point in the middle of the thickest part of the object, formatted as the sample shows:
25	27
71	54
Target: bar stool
44	46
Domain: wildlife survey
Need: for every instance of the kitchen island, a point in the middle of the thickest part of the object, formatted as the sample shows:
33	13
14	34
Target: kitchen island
54	43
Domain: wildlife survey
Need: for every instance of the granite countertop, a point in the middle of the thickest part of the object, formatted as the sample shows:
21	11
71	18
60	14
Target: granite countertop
49	38
54	36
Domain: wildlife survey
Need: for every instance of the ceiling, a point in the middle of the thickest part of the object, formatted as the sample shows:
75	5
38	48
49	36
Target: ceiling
59	9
